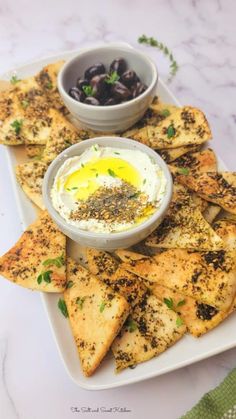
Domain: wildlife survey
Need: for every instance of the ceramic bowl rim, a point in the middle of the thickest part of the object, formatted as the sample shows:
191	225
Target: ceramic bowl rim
57	163
81	105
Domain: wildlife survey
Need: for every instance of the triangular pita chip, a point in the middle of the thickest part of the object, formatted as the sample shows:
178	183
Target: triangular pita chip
198	317
184	127
30	176
63	134
109	271
96	315
154	326
219	188
184	227
209	277
37	260
171	154
202	161
155	329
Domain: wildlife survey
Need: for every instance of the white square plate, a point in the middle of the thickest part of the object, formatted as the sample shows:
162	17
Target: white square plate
187	351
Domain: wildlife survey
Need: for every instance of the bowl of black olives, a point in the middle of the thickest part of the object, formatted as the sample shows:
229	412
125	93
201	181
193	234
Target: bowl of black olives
108	88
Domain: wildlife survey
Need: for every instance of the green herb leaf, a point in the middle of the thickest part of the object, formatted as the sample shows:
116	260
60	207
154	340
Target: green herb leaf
169	303
102	306
111	173
135	195
170	131
58	262
165	112
96	174
82	164
88	90
112	78
154	43
80	301
69	284
14	79
16	125
131	325
47	276
181	303
116	152
95	148
25	104
67	143
62	307
179	322
49	85
183	171
144	181
39	279
44	276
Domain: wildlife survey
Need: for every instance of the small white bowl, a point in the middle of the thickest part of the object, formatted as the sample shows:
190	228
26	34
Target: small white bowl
106	241
114	118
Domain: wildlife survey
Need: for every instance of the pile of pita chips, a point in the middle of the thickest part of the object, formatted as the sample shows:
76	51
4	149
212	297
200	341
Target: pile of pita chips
151	327
37	260
184	226
209	277
216	187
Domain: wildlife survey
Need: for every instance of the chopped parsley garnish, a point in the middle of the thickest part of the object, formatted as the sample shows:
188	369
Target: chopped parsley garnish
165	112
116	152
144	181
111	173
102	306
183	171
25	104
80	302
16	125
58	262
112	78
88	90
181	303
82	164
135	195
96	174
95	148
49	85
179	322
169	303
14	79
44	276
72	189
170	131
62	307
69	284
131	325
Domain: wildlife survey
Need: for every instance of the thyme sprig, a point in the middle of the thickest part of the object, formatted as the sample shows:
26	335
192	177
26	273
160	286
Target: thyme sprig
154	43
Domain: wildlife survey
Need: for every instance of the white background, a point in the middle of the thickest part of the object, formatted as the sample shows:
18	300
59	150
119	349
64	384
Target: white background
202	36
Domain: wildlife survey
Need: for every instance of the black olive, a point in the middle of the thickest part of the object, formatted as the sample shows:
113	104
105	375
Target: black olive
120	91
138	89
90	100
109	102
100	87
94	70
119	65
77	94
129	77
81	83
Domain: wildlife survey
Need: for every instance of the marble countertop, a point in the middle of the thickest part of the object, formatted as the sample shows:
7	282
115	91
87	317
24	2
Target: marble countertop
202	36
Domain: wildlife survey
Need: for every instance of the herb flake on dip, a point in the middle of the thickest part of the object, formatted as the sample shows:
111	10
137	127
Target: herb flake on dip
107	189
